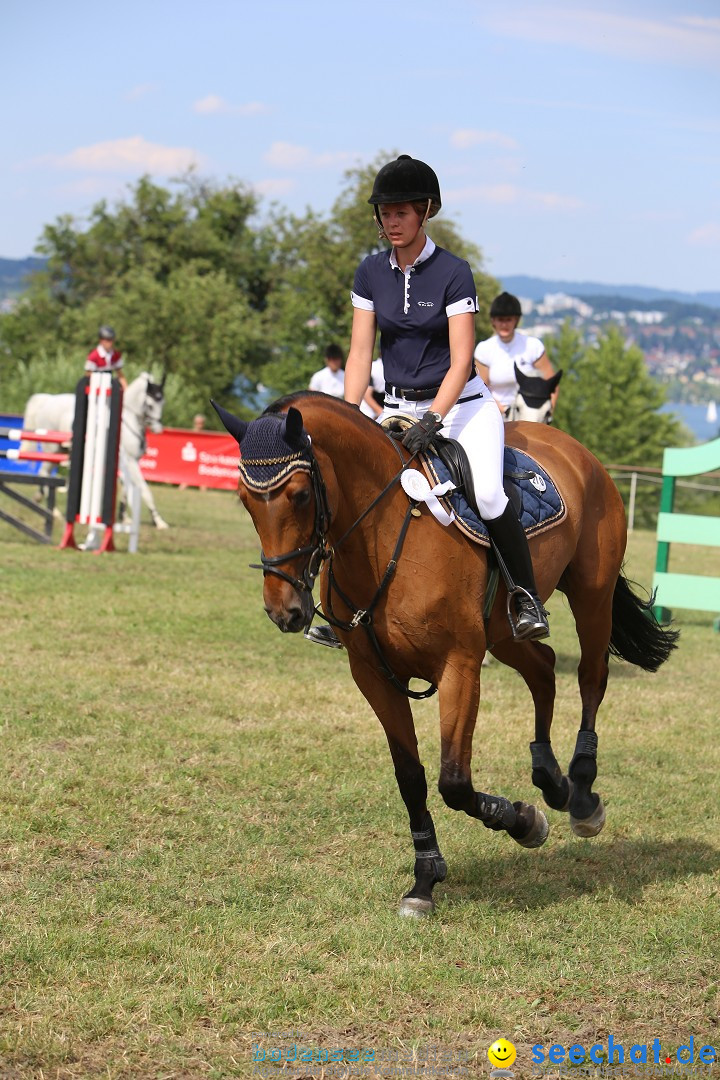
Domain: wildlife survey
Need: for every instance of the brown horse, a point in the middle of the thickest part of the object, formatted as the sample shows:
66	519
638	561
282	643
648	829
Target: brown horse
406	595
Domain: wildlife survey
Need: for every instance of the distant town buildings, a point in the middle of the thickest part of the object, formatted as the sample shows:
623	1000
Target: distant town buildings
680	341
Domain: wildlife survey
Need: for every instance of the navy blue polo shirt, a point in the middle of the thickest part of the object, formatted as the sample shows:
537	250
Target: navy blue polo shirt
412	311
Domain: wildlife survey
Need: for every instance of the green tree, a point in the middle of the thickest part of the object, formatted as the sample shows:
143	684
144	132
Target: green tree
609	402
196	285
182	274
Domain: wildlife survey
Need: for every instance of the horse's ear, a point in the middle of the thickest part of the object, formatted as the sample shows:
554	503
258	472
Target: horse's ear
232	424
520	377
164	377
554	380
294	434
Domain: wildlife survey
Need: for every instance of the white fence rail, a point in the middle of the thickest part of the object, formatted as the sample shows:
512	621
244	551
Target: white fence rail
654	476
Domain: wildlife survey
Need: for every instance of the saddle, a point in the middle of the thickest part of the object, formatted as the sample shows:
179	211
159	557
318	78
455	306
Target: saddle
453	457
532	492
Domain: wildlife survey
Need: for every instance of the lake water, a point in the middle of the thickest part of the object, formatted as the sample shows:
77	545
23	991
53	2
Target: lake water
695	418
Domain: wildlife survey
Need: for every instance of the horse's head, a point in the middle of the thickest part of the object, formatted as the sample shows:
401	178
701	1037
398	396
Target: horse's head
533	399
283	491
153	403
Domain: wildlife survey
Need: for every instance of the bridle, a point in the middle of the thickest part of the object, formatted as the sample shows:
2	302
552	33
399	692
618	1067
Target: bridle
317	549
319	552
515	410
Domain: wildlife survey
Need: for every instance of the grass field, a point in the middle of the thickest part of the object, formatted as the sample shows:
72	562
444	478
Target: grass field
203	846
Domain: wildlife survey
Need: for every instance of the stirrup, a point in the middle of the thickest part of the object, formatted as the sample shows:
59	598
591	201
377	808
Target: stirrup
531	621
323	635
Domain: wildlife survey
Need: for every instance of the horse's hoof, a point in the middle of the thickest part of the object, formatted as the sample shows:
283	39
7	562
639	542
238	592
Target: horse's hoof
538	832
589	826
566	807
160	524
415	907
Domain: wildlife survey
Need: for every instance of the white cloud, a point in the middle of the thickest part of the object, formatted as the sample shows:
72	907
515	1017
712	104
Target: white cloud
283	155
132	155
464	138
706	235
214	104
273	188
677	39
512	195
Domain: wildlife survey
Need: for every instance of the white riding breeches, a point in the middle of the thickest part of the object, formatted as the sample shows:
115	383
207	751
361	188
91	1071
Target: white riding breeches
478	427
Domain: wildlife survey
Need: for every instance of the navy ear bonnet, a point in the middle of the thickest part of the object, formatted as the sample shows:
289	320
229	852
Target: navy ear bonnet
271	447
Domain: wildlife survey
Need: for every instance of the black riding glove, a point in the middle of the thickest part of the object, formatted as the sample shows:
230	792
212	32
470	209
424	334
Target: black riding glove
421	434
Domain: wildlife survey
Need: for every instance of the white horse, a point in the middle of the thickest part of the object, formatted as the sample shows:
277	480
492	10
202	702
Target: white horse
142	408
533	399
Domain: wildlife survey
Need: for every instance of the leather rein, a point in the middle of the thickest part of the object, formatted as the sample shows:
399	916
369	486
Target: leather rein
319	552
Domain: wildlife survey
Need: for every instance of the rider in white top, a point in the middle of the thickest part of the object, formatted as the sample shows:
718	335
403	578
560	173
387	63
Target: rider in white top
495	358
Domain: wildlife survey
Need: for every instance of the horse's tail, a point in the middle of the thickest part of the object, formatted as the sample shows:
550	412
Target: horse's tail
636	635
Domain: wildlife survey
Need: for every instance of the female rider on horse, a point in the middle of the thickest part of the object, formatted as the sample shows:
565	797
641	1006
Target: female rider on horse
424	301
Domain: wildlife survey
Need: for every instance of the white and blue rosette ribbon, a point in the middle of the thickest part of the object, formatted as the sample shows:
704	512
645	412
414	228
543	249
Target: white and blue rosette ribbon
417	487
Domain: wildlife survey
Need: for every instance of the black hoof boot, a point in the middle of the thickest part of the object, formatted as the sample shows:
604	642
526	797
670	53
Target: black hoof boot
547	775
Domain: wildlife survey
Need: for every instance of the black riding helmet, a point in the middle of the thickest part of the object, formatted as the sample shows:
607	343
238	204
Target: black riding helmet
406	180
106	333
505	304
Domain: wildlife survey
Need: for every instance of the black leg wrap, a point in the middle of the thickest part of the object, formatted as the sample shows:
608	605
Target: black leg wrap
495	811
547	775
430	867
582	772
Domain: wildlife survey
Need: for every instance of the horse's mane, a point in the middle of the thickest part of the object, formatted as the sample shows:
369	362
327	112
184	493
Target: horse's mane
285	402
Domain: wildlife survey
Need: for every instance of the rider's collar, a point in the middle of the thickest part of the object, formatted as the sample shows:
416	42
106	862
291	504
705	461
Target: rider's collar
422	257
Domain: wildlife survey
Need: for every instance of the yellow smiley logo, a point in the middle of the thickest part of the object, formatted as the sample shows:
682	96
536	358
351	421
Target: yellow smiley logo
502	1054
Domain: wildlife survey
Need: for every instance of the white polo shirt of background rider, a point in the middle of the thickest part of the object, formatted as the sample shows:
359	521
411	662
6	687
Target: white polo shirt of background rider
329	382
500	360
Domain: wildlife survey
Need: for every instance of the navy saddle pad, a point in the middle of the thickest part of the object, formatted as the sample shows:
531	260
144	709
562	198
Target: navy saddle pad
541	504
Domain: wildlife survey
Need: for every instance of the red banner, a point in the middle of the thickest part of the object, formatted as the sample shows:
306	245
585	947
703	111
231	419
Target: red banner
197	458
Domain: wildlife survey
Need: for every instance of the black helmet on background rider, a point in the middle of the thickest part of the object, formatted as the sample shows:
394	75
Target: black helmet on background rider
505	305
406	180
106	333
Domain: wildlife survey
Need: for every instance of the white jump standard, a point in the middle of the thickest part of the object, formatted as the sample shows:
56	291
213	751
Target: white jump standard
94	458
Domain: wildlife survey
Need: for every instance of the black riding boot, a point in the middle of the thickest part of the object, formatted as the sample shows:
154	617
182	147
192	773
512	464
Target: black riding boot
323	635
508	536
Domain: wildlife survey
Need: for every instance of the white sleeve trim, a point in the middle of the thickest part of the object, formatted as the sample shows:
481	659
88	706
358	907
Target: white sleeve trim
361	302
468	304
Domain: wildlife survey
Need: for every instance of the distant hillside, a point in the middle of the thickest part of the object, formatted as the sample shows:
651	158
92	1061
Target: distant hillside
535	289
13	273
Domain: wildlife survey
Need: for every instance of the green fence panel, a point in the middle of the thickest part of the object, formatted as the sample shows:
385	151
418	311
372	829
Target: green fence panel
691	591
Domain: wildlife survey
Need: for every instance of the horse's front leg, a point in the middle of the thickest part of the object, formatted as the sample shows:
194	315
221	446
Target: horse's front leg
136	477
459	699
393	711
535	661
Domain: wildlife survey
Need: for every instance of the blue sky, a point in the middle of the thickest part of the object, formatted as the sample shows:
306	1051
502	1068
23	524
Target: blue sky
572	140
